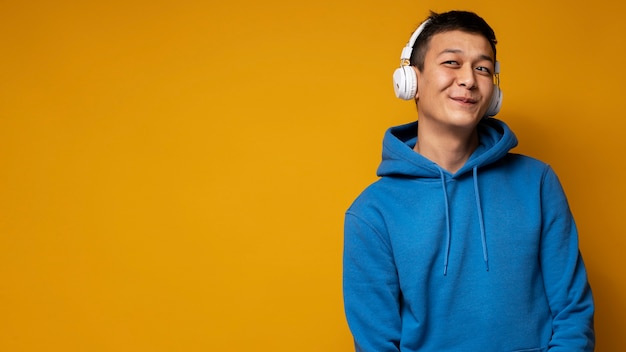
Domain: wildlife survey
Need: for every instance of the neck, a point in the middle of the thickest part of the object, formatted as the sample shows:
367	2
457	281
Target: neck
449	150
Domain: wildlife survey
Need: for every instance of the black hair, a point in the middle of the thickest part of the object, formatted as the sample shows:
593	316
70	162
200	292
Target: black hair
450	21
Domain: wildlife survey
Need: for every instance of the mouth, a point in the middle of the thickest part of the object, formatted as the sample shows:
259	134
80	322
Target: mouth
465	100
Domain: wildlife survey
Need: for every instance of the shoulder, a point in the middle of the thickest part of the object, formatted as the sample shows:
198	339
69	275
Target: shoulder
381	195
370	196
519	170
525	160
523	163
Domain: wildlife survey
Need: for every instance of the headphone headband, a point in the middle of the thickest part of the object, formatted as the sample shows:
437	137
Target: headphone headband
408	49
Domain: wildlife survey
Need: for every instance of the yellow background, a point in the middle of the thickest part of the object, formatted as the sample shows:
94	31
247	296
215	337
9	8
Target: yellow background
173	174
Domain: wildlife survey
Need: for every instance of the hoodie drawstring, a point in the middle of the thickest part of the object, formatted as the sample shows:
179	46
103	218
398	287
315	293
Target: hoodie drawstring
449	233
481	220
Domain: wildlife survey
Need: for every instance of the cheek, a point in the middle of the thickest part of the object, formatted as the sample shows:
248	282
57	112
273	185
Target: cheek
488	88
436	84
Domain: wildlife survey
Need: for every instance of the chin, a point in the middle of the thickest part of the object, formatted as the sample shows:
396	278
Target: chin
465	119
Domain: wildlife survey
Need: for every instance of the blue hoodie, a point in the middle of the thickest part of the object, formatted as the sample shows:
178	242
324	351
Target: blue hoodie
485	259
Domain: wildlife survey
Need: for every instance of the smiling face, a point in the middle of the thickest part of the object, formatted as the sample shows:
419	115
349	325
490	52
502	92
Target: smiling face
455	86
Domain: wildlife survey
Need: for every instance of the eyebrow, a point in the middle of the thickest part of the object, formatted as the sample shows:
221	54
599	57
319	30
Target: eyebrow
457	51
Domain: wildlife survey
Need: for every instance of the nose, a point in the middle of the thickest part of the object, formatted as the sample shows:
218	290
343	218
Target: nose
465	77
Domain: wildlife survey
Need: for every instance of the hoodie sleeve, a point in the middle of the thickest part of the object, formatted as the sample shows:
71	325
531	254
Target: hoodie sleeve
564	273
371	289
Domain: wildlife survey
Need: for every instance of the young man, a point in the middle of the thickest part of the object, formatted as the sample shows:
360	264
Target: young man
462	245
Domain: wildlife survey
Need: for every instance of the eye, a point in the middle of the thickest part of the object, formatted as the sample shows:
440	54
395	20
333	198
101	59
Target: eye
484	69
451	62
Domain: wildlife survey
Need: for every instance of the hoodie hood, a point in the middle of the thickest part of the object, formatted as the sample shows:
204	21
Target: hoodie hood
399	159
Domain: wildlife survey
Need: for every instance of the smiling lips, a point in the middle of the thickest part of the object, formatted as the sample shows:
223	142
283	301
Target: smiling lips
465	100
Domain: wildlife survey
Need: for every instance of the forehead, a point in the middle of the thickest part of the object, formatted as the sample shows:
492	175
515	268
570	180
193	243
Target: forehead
460	42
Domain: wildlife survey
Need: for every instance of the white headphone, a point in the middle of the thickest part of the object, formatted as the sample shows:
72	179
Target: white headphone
405	79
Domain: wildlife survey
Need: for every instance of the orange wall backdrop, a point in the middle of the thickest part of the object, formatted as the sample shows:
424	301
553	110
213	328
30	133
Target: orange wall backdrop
173	174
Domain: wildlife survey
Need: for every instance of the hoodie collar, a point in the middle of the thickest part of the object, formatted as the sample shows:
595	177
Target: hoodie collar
399	158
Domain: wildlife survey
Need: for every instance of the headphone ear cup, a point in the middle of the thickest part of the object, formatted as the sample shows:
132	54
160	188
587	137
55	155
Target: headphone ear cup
405	82
496	102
